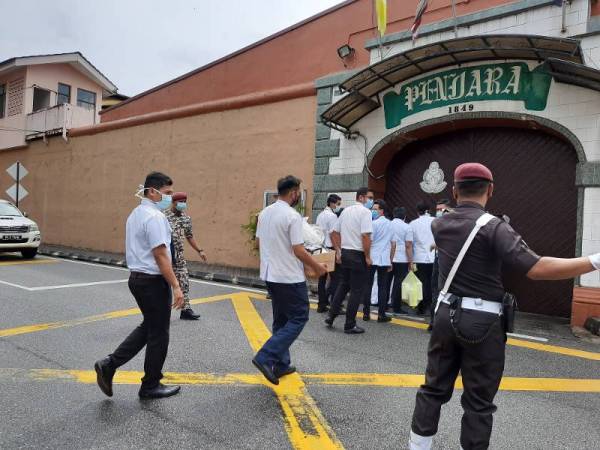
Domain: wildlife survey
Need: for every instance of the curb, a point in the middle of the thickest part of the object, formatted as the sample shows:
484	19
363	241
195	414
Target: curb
195	274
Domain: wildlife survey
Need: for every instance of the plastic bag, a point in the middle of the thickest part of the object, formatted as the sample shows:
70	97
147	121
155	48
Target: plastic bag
313	236
412	290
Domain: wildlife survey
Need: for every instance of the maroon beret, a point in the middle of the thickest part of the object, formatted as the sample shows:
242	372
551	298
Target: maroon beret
179	196
472	171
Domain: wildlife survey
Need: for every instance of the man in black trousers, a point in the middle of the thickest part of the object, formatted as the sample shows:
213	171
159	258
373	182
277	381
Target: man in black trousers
148	252
352	238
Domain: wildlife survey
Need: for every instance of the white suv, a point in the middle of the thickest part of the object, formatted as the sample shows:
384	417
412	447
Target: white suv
17	232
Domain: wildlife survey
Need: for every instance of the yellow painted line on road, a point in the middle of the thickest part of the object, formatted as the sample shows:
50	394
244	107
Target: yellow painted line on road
567	385
27	262
305	425
96	318
414	381
554	349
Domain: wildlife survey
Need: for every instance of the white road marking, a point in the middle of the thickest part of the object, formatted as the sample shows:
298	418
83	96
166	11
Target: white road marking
61	286
525	336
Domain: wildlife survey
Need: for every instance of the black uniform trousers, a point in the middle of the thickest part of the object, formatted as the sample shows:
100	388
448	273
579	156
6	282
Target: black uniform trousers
400	272
481	366
383	293
327	291
423	273
354	278
153	295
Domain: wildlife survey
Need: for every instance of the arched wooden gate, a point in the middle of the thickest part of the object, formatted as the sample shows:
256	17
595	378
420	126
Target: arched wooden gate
535	187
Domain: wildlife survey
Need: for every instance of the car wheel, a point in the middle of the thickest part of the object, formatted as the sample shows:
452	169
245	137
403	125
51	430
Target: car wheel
29	253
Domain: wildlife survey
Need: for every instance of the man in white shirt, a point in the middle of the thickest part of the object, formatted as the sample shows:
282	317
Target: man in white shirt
382	249
148	242
282	260
326	221
352	239
423	245
403	257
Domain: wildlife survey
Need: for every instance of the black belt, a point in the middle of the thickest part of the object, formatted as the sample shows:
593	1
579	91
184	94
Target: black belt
148	276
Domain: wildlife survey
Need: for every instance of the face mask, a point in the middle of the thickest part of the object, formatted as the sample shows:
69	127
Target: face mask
369	204
439	213
295	201
337	210
375	214
181	206
165	202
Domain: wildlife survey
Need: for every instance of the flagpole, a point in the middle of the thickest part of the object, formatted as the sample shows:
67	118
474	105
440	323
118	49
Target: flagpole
454	16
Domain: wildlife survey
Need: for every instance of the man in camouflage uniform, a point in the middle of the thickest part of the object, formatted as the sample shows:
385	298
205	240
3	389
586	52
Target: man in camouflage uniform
181	225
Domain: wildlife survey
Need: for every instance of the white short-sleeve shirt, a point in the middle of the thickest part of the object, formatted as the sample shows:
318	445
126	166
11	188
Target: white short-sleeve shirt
147	228
381	246
279	228
326	221
354	221
402	234
423	240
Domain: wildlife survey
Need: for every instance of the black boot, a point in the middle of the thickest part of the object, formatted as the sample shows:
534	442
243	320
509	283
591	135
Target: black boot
188	314
104	375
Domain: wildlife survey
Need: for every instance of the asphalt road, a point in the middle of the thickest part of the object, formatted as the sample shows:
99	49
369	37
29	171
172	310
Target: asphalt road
355	392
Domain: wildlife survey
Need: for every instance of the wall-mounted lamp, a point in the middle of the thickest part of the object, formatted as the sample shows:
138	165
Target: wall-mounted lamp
345	51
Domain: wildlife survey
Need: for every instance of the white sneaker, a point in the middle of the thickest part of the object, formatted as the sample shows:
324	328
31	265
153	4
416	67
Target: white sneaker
417	442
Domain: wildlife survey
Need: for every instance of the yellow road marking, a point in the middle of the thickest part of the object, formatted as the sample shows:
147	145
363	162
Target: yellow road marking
96	318
554	349
306	427
25	262
414	381
329	379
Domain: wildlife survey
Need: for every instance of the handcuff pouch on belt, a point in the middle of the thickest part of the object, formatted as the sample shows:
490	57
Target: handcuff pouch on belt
509	307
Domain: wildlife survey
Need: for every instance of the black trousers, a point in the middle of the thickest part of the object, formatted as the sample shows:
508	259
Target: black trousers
153	295
423	273
481	366
327	291
383	293
400	272
355	276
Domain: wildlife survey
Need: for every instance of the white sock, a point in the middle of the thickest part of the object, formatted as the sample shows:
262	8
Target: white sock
417	442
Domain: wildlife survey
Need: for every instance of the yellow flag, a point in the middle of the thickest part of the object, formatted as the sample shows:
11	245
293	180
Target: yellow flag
381	7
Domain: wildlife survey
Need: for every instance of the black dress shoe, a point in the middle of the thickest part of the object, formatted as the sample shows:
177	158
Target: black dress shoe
104	375
283	372
366	317
266	371
322	309
329	321
384	319
160	391
355	330
188	314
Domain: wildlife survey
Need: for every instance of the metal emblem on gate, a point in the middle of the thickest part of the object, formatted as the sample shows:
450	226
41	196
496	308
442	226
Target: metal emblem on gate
433	179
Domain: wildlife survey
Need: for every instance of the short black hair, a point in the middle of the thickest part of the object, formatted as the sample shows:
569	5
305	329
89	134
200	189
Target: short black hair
422	208
472	188
333	198
399	212
286	184
382	204
363	191
157	180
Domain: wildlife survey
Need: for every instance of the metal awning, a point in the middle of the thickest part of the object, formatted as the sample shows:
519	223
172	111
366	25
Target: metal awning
573	73
364	87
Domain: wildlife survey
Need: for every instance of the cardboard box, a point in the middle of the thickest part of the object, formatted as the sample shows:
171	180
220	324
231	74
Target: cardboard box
323	258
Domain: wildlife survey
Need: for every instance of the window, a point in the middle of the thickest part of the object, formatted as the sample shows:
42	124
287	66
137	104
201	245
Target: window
2	99
8	210
86	99
64	94
41	99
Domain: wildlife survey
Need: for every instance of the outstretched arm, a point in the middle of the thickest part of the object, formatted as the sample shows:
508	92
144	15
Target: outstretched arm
548	268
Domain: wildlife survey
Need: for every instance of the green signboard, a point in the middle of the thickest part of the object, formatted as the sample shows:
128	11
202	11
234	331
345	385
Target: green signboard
504	81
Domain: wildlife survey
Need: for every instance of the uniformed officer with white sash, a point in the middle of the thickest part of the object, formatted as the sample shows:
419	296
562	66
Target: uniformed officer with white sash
473	312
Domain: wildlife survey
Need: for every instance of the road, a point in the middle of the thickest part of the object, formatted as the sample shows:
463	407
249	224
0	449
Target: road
354	392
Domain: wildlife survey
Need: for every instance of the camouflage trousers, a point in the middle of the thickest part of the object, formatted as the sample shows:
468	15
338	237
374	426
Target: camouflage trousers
183	277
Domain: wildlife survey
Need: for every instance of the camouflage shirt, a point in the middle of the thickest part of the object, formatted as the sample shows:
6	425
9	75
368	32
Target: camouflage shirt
181	224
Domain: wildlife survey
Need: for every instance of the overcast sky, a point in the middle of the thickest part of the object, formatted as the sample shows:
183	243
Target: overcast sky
138	44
